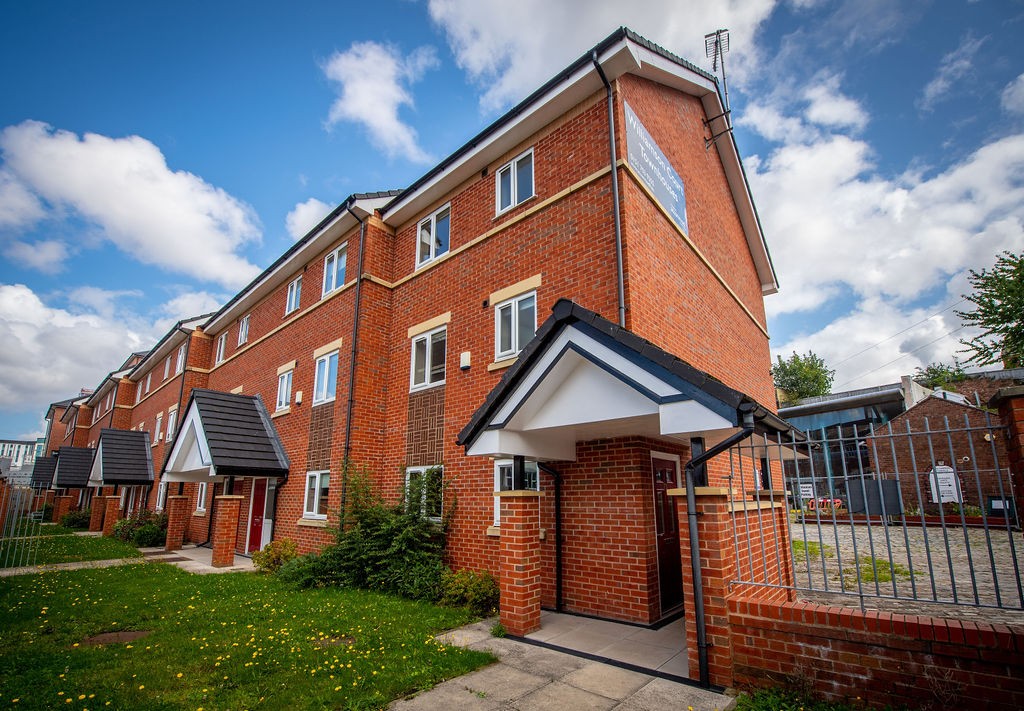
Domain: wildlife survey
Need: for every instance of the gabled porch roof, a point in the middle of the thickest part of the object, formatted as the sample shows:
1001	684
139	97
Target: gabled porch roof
72	470
122	457
223	434
583	377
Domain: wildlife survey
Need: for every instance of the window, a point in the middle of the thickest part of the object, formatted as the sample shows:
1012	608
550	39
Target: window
110	399
334	269
221	343
172	423
138	393
243	330
284	390
326	378
201	497
433	234
158	429
504	480
317	484
428	357
294	296
514	182
149	381
167	367
161	496
180	365
425	484
515	322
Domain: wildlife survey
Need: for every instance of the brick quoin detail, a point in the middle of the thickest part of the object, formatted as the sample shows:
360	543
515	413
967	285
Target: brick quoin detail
225	530
112	515
177	519
520	558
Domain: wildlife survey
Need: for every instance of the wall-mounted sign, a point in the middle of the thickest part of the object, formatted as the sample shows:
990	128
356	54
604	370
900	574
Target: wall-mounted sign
945	485
654	168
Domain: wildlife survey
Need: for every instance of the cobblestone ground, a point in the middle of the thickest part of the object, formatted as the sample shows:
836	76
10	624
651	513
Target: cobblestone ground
966	579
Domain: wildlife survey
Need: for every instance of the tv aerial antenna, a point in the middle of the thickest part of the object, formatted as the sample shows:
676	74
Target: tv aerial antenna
716	46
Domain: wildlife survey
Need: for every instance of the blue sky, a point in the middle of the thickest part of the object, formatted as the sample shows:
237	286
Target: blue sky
884	143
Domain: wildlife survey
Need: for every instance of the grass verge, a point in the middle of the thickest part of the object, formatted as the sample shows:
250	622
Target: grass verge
216	641
66	549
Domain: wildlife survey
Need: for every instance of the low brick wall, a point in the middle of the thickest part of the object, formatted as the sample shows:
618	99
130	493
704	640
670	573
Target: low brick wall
884	658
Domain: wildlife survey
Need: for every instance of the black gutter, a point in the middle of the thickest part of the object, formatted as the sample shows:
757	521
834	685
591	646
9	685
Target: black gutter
620	278
747	414
352	364
557	476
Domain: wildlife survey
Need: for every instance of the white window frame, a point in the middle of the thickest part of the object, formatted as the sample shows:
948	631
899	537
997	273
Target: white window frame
167	368
180	364
294	297
284	386
431	221
322	381
314	512
201	497
512	169
513	304
149	381
331	281
158	428
243	329
161	496
427	338
222	341
500	484
172	423
410	471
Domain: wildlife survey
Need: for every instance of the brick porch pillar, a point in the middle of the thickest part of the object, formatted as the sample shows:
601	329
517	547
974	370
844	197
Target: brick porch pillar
99	506
61	506
225	530
177	520
519	561
1010	402
111	514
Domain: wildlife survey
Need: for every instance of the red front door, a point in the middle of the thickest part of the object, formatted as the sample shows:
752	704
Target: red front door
666	525
259	499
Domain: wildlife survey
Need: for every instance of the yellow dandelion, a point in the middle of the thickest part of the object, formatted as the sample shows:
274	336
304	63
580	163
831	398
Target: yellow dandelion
141	687
179	675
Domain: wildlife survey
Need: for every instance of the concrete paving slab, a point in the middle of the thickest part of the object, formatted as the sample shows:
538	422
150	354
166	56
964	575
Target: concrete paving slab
607	681
630	651
487	688
557	696
661	694
534	660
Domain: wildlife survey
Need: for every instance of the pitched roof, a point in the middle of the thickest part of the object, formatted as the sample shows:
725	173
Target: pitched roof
122	457
73	465
42	472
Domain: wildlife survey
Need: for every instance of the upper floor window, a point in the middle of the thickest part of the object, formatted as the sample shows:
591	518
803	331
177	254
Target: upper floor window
243	329
167	367
514	182
284	390
433	234
515	323
180	365
221	343
172	423
326	378
428	358
334	269
149	381
294	296
158	428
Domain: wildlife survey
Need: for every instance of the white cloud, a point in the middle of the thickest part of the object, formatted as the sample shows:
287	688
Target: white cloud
305	216
1012	98
954	66
101	302
374	81
124	186
829	107
46	256
509	49
18	206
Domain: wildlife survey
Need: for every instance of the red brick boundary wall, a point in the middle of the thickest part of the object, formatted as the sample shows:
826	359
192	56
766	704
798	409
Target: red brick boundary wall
884	658
1010	402
112	515
96	514
519	560
61	506
177	520
225	530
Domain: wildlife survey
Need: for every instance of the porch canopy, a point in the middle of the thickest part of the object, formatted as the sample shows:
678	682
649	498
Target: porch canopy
222	435
42	472
72	470
123	457
583	378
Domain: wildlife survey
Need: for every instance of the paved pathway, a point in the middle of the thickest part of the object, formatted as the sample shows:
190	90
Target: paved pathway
531	678
193	559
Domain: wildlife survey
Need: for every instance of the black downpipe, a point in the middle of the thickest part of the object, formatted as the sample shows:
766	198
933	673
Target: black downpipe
181	405
620	283
557	476
691	516
352	367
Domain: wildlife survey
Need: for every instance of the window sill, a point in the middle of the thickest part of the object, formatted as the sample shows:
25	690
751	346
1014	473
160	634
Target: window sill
494	531
282	411
323	402
503	363
421	388
312	522
199	513
503	213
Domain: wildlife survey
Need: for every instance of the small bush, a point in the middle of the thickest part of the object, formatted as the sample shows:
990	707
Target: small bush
124	530
47	512
498	630
306	571
148	535
478	592
76	519
274	555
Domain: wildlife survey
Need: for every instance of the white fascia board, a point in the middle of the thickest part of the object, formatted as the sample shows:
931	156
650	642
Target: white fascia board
96	473
191	452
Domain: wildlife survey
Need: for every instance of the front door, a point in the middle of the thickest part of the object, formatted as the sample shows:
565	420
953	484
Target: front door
666	525
259	498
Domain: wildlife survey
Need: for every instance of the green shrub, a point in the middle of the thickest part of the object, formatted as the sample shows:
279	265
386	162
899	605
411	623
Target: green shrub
47	512
306	571
125	528
274	555
479	592
76	519
148	535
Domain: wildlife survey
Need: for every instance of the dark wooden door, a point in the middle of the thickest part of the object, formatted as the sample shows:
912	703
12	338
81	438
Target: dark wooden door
259	497
666	525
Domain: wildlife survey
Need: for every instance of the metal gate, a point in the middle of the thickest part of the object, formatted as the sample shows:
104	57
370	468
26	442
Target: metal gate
20	525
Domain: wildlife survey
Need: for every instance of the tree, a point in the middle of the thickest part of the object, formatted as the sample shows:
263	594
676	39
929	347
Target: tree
998	300
801	376
939	375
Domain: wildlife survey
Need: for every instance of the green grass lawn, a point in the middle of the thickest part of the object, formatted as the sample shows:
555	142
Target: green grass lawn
230	641
58	548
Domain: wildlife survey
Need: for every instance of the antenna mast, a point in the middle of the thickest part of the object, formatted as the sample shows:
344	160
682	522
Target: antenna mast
716	46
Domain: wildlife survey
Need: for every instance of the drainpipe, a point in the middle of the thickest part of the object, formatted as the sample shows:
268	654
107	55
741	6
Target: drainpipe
615	192
557	476
352	363
181	405
691	515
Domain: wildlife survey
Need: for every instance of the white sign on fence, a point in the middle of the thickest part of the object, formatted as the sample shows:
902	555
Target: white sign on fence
945	485
807	491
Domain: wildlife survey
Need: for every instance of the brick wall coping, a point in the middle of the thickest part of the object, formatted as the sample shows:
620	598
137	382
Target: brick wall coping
755	505
517	493
1006	394
228	496
703	491
177	496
